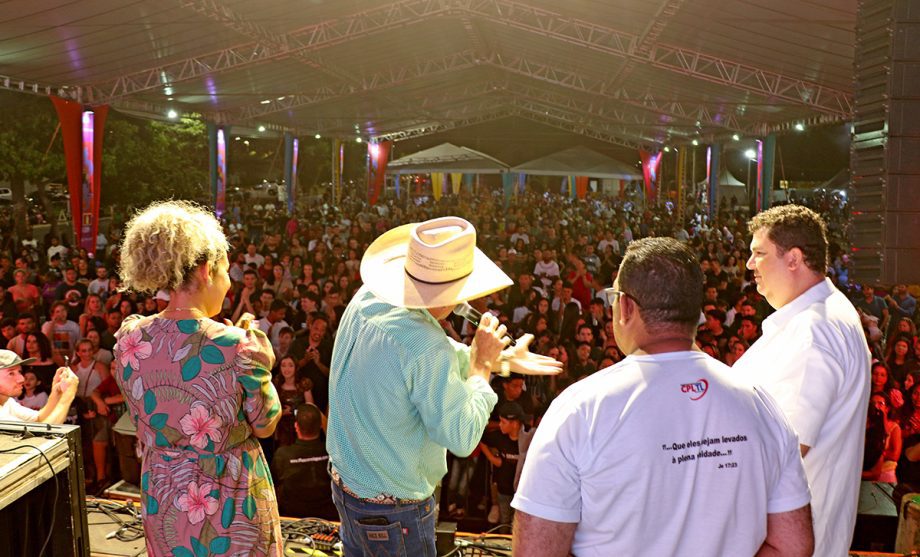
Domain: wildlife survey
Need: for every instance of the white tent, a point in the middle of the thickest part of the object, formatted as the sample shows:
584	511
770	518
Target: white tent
447	157
726	179
579	161
729	186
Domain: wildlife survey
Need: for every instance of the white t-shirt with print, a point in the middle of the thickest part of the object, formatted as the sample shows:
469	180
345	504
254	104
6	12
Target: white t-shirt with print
668	454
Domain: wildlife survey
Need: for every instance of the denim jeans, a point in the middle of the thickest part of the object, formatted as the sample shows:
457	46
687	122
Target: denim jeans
505	511
377	530
461	472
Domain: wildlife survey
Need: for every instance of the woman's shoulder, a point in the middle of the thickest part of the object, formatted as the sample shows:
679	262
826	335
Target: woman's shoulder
133	322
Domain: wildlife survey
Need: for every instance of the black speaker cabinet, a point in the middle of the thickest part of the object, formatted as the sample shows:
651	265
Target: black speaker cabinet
42	494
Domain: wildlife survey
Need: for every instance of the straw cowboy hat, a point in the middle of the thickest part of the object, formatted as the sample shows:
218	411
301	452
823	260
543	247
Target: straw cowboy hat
431	264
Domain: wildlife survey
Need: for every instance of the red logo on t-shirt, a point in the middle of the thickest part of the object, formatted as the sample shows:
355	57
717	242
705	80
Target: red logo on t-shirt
698	388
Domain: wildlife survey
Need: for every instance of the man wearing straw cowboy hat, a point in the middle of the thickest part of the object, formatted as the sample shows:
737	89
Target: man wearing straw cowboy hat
401	392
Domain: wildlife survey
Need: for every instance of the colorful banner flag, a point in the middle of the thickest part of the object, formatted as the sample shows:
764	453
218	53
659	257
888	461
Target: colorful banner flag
507	187
338	160
82	131
581	186
292	183
456	180
437	185
378	155
291	148
221	199
468	182
765	170
681	179
650	165
713	156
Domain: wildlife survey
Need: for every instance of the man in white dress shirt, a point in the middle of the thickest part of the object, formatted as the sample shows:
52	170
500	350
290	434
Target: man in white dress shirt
814	360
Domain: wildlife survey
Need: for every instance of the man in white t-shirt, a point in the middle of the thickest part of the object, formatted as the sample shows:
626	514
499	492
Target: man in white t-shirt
53	412
62	332
546	270
814	360
668	452
100	285
253	257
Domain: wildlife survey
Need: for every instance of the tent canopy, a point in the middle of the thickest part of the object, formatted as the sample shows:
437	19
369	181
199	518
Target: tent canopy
726	179
579	161
447	157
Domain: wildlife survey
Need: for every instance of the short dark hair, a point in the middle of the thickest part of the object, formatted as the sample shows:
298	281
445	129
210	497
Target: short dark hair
309	420
717	314
277	304
753	321
794	226
664	277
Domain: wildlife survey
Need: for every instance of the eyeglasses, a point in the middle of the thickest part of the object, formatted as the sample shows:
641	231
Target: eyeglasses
612	294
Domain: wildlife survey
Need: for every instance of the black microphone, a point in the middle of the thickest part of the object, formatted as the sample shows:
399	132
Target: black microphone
468	312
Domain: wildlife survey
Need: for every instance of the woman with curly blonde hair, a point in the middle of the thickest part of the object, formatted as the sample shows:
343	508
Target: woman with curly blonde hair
199	391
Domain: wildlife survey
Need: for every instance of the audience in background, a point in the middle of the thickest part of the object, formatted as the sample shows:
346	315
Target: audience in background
561	252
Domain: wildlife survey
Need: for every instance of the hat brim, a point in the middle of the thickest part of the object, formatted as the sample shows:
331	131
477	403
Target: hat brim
383	271
17	363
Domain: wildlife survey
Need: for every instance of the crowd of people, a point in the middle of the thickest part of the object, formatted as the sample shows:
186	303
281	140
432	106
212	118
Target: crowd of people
295	275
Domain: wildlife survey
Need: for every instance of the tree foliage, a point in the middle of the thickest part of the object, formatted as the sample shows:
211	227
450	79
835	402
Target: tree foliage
144	160
27	126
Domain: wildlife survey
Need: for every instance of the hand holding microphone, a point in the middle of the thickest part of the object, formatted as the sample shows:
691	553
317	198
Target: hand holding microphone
516	357
471	314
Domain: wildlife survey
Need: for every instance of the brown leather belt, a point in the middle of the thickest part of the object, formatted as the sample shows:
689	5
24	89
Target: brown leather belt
381	499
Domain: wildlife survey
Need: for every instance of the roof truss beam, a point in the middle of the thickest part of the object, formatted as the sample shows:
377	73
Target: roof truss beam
502	112
307	39
370	83
578	123
679	60
508	12
452	103
647	39
572	127
578	81
630	123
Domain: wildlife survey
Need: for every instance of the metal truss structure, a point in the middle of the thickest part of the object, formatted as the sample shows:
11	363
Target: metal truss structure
641	84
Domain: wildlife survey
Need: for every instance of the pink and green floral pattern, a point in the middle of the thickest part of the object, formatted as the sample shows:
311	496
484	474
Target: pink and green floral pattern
195	389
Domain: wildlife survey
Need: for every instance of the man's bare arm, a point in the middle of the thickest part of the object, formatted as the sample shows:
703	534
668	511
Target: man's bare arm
537	537
804	450
789	534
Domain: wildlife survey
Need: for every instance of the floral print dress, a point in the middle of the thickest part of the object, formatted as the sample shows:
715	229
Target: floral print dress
195	388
